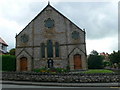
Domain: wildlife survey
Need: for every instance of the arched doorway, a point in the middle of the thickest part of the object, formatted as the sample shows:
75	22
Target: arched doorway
50	63
23	64
77	61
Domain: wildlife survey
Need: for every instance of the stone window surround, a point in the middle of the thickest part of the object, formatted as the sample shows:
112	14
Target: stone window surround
54	56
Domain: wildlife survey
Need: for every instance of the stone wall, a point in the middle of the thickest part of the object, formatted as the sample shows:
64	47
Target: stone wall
61	77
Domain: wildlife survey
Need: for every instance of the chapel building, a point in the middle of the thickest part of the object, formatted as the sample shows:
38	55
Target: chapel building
51	40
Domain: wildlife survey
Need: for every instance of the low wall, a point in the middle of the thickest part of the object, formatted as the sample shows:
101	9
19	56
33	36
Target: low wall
64	77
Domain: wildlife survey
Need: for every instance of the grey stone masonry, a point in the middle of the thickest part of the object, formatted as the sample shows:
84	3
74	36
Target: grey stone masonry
61	77
70	37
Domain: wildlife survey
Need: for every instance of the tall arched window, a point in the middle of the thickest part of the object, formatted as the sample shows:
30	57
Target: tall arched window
43	50
49	48
57	49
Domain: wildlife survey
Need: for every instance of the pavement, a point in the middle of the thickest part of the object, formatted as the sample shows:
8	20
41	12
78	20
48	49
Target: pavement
54	84
29	87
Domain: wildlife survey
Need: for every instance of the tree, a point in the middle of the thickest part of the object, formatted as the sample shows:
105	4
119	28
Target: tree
94	52
115	58
95	61
12	51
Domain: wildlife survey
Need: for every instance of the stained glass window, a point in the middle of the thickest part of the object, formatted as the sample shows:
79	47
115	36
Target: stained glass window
75	35
49	48
24	38
43	50
57	49
49	23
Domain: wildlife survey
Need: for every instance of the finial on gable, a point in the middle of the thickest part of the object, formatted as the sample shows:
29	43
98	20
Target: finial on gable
83	29
16	35
48	2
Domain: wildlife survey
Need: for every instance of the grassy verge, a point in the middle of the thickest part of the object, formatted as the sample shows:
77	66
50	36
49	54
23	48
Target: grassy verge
98	71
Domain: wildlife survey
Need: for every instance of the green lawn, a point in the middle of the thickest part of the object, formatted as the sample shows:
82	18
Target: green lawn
98	71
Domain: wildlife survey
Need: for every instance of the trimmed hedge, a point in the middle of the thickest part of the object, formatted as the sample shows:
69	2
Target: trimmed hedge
8	62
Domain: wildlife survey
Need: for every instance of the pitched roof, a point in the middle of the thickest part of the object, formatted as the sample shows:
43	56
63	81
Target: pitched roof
3	42
57	12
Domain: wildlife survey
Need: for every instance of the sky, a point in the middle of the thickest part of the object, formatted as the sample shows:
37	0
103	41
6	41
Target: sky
98	18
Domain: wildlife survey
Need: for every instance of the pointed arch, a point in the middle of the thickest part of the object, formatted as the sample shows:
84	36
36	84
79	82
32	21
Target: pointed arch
77	61
43	50
56	49
49	48
23	64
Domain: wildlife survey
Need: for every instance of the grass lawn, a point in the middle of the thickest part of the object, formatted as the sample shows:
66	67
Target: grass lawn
98	71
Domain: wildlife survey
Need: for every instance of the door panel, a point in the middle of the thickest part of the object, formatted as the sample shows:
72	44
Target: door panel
77	62
23	64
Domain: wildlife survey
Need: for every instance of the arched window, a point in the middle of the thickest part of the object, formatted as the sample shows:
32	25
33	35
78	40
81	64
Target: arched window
43	50
57	49
49	48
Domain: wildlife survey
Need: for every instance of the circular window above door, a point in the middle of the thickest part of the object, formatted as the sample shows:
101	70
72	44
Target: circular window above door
75	35
49	23
24	38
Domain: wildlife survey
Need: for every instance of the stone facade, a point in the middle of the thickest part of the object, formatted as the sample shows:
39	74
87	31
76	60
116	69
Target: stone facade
50	25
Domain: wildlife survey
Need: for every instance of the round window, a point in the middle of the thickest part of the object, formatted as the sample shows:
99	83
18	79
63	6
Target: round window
75	35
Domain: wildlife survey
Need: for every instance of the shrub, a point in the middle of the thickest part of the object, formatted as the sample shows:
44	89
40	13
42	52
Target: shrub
8	62
51	70
95	62
61	70
40	70
106	63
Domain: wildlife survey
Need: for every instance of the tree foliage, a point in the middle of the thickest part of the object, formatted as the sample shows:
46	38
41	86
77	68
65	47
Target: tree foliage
94	52
106	63
95	61
115	58
12	51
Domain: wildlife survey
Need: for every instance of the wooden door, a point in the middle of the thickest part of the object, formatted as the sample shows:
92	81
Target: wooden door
23	64
77	62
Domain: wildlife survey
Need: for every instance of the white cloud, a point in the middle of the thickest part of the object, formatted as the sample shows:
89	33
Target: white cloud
103	45
99	19
8	30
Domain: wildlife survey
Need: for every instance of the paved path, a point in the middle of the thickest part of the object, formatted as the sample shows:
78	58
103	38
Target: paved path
52	84
29	86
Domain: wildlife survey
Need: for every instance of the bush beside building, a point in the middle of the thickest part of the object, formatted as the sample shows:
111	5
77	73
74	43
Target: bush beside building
8	62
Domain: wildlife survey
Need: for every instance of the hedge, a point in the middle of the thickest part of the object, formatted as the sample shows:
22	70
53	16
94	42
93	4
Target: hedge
8	62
